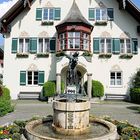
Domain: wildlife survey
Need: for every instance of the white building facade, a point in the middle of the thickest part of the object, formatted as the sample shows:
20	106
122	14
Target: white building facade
38	31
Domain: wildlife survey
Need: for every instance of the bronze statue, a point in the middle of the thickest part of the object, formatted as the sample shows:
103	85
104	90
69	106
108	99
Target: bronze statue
73	59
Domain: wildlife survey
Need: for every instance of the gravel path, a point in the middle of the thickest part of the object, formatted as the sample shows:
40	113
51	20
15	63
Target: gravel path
26	109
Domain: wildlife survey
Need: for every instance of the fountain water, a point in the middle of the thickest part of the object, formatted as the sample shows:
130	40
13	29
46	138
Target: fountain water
71	116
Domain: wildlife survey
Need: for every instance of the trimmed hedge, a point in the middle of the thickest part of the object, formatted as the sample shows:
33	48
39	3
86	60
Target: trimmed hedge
49	88
135	95
97	88
5	101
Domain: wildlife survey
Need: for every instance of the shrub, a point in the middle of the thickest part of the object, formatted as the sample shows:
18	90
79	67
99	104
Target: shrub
97	88
49	88
5	103
135	95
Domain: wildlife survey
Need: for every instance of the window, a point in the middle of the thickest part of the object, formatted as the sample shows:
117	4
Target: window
63	41
32	77
86	41
125	46
48	14
23	45
115	78
101	14
73	40
105	45
43	45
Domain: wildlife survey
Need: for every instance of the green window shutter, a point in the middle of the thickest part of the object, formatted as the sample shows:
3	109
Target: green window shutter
110	14
41	77
57	13
116	45
96	45
52	44
134	45
33	45
91	14
22	77
38	13
14	45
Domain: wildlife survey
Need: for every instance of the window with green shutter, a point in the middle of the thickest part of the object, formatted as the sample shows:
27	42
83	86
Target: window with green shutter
33	45
52	44
96	45
22	77
91	14
57	13
14	45
39	14
116	46
110	14
41	78
135	45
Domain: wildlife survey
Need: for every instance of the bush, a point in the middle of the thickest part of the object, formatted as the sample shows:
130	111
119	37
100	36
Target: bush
5	101
135	95
97	88
49	88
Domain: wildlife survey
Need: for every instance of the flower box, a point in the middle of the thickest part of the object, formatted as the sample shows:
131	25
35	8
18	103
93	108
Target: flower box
59	54
22	55
101	23
47	23
126	56
87	55
42	54
108	55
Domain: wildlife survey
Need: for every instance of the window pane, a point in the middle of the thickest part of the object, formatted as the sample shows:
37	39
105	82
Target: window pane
128	46
70	34
45	16
51	14
70	43
77	43
29	78
102	43
122	46
97	14
35	77
103	11
77	34
108	45
46	47
40	45
27	45
112	78
21	46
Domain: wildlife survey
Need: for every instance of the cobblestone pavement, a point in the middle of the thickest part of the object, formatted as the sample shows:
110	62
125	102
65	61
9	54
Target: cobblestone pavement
26	109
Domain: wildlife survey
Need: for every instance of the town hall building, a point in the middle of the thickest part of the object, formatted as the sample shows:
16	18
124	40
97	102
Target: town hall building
38	33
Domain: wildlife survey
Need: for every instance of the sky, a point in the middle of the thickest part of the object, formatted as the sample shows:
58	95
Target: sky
6	4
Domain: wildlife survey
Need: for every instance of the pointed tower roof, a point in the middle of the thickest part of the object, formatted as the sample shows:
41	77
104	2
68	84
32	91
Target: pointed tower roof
74	16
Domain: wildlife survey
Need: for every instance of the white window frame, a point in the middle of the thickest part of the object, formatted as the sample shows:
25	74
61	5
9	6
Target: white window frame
101	17
32	84
48	19
86	41
74	40
45	50
62	44
25	50
105	47
116	79
125	49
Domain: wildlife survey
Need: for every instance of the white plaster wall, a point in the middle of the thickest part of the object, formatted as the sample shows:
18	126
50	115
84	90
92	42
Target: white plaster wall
100	68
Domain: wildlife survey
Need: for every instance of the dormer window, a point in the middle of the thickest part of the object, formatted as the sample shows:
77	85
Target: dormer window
48	14
100	15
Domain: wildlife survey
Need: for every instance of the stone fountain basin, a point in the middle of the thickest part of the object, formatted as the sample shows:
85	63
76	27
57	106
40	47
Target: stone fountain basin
32	135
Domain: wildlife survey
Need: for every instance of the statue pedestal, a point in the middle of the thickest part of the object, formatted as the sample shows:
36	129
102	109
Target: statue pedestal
71	89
